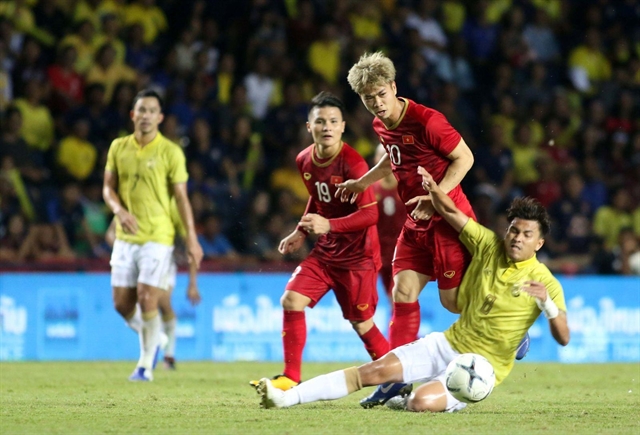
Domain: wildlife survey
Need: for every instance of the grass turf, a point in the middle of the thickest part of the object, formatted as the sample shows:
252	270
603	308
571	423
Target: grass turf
213	398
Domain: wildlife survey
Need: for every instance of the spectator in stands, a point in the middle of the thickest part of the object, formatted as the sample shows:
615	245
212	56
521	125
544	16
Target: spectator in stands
588	65
110	34
27	160
13	238
84	42
77	156
541	39
29	66
67	212
433	39
571	217
609	220
324	54
107	72
150	16
37	122
67	86
45	243
214	243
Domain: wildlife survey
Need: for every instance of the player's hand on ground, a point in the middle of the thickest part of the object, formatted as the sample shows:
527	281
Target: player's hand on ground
193	294
428	183
424	207
128	221
292	242
194	252
314	223
349	190
536	289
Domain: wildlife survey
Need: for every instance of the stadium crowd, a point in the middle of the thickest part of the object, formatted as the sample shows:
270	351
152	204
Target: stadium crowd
545	92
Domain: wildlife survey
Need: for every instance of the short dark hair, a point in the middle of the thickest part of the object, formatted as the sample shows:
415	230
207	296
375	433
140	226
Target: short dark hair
148	93
530	209
326	99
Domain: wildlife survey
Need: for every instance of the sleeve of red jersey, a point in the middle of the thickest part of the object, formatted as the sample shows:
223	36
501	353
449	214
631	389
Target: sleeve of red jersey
367	213
441	134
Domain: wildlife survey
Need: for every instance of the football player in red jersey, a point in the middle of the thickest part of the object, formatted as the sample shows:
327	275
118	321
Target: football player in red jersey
346	256
391	216
428	249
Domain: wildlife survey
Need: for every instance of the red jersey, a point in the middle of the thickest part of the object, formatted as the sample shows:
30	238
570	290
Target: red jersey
352	242
392	215
421	137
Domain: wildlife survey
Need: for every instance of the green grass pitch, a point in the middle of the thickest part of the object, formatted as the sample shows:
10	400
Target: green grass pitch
212	398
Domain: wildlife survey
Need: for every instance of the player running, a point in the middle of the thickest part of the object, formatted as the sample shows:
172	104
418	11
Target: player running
144	170
502	293
346	256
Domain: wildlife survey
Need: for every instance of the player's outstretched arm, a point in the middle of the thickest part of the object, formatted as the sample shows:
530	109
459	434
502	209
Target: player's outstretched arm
557	318
111	198
442	203
350	189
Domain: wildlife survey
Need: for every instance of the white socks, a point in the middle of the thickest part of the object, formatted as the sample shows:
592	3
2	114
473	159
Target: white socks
135	322
325	387
169	327
149	339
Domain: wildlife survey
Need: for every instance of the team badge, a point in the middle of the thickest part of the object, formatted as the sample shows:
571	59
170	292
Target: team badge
307	176
450	273
362	307
407	140
335	179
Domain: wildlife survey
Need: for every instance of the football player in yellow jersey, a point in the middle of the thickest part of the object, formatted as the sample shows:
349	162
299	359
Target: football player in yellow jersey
502	293
168	340
143	172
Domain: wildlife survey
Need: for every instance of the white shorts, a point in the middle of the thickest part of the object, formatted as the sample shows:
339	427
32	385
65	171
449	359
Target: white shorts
426	360
146	264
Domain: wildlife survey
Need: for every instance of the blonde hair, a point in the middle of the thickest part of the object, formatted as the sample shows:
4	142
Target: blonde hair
373	69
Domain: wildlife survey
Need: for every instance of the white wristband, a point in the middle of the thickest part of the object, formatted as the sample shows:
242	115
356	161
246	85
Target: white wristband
548	308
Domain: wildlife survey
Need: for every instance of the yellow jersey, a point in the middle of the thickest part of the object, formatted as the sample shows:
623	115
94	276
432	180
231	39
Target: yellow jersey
495	312
146	176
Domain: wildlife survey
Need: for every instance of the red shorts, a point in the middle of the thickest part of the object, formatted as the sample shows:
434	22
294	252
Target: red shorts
355	290
436	252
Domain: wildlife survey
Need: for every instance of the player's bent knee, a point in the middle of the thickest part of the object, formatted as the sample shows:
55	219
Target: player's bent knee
293	301
431	397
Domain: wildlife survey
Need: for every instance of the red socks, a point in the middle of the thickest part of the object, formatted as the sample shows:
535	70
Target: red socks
375	343
294	337
405	323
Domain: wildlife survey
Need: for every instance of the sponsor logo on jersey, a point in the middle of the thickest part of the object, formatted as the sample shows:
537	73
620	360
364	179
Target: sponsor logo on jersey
362	307
335	179
450	273
407	140
307	176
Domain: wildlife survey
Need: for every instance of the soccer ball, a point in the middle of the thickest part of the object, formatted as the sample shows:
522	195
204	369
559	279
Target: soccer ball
470	377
